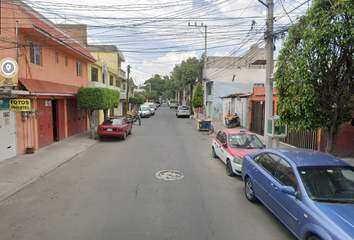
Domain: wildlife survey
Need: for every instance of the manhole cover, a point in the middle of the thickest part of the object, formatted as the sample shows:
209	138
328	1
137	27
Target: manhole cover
169	175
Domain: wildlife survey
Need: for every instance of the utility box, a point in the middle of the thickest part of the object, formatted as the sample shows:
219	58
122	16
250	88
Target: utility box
275	130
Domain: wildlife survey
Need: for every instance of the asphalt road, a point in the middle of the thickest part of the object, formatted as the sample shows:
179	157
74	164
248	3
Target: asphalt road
110	191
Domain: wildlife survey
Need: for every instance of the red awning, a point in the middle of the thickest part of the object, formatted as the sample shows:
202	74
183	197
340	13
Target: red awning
38	86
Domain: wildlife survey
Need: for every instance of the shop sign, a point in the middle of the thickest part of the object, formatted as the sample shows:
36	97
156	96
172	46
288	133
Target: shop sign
20	105
5	103
8	72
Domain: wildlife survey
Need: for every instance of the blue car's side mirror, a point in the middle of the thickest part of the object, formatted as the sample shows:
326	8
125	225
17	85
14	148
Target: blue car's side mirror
289	190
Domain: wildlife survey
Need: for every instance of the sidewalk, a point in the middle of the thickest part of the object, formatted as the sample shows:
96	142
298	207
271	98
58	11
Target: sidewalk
21	170
219	125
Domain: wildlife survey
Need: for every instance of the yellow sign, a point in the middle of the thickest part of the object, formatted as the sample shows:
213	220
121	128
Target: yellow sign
8	72
23	105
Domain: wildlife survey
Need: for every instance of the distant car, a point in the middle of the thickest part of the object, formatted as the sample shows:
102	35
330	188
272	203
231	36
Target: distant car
151	107
310	192
183	111
173	103
231	146
144	111
114	127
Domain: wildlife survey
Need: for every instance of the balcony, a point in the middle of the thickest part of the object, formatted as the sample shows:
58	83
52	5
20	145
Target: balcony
96	84
122	74
123	94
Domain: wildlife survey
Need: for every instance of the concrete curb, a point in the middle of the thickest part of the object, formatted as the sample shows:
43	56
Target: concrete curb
22	170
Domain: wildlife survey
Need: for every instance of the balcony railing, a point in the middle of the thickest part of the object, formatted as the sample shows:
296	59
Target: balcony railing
123	94
122	74
96	84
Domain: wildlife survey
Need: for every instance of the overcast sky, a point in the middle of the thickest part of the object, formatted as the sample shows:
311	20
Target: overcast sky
155	35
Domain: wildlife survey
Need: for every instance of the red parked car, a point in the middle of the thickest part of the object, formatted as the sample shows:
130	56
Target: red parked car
114	127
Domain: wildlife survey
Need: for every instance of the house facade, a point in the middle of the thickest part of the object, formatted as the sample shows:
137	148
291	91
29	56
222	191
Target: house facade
39	104
113	59
315	140
227	75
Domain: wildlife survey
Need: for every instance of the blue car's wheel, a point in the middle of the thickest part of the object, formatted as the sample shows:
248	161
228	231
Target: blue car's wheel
249	190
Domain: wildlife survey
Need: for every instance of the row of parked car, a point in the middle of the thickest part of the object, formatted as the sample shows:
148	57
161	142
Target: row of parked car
121	127
148	109
310	192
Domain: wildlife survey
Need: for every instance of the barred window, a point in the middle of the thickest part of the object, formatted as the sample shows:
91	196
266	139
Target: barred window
35	54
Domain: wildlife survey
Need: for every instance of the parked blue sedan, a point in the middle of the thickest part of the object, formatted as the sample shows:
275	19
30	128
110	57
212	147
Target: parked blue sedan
312	193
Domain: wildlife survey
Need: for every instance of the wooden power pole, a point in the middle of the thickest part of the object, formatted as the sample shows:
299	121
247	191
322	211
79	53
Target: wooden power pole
127	95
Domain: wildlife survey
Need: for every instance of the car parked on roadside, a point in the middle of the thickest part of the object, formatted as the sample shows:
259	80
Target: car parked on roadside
183	111
310	192
114	127
231	145
173	103
151	107
144	111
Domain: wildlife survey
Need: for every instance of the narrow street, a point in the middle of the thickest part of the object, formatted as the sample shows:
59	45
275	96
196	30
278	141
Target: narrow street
111	191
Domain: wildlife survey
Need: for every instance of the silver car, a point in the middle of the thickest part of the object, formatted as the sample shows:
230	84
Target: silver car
144	111
151	106
183	111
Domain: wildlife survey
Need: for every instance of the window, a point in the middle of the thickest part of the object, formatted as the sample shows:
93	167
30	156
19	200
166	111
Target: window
221	137
111	80
78	69
269	162
35	54
285	174
56	57
94	74
66	60
123	87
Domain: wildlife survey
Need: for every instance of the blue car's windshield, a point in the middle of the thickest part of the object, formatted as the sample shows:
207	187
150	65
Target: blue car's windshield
328	183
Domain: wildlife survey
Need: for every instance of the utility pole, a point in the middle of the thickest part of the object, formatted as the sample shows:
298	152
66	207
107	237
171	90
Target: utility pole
205	59
127	97
269	71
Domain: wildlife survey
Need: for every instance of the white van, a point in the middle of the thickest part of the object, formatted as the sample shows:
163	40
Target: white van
173	103
151	106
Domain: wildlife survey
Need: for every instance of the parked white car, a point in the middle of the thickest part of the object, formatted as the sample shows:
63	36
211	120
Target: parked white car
151	107
144	111
183	111
173	103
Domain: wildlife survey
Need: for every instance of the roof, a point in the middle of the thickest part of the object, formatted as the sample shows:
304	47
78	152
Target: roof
106	48
236	95
102	48
237	131
307	157
49	28
39	86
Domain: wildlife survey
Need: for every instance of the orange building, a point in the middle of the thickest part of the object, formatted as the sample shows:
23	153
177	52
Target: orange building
52	66
313	140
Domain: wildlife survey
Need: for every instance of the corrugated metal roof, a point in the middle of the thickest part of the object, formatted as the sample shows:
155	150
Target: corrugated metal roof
54	32
39	86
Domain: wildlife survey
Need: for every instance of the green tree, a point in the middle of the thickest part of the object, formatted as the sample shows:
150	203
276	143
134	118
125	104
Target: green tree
151	95
157	84
187	73
197	100
97	98
137	100
315	74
